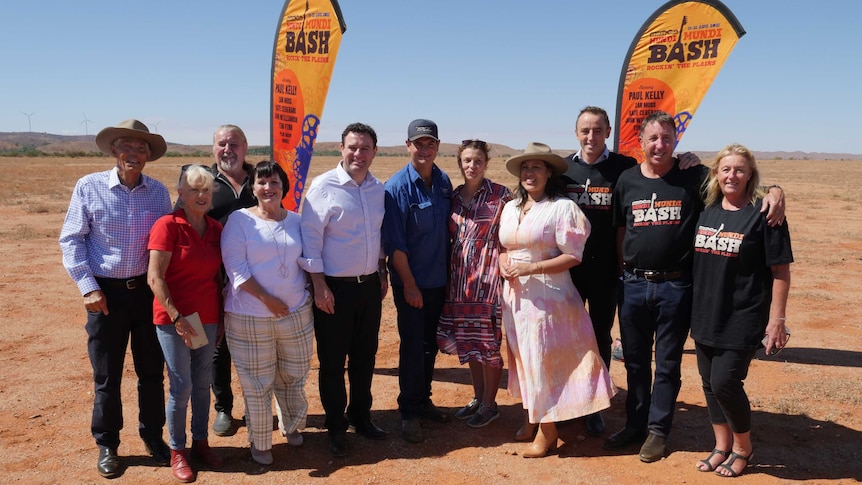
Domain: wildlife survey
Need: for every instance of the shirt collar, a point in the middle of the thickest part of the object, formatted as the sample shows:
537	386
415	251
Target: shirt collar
246	167
414	174
485	187
344	177
114	180
604	156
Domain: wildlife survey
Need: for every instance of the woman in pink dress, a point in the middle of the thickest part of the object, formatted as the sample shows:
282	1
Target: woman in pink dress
470	324
559	374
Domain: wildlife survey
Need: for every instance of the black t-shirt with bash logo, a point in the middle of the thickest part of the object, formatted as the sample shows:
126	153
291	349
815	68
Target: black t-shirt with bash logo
659	216
734	252
591	187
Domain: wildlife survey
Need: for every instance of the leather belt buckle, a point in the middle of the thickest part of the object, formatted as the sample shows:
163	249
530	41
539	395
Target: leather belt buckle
363	278
653	275
131	283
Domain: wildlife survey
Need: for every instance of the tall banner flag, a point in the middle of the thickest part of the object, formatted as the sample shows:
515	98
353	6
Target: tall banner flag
670	65
306	45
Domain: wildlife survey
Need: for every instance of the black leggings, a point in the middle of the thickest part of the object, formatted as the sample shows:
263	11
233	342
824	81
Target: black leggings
723	372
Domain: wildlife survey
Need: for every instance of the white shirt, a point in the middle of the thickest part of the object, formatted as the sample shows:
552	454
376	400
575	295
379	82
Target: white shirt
604	156
269	252
341	223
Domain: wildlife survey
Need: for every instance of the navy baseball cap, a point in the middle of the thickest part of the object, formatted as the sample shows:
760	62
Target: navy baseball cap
422	128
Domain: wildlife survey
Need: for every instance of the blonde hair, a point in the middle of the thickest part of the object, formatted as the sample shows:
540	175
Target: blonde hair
711	188
196	177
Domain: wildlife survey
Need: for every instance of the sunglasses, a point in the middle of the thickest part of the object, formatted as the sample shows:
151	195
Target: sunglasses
476	143
775	349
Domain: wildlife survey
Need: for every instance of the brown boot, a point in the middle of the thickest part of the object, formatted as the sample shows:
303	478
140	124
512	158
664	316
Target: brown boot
546	440
201	451
180	466
527	430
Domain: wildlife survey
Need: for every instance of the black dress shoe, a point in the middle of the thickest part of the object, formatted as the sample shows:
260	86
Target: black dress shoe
370	430
595	424
157	448
411	430
338	443
223	424
624	438
109	463
433	413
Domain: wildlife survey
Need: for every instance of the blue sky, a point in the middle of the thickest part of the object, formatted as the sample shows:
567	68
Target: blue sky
506	71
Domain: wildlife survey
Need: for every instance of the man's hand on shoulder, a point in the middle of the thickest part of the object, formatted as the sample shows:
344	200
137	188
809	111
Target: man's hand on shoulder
773	205
688	160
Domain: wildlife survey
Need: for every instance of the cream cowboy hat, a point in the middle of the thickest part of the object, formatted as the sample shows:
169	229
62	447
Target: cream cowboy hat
131	129
537	151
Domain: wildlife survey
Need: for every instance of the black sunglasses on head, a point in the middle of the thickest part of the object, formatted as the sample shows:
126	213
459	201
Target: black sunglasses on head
477	143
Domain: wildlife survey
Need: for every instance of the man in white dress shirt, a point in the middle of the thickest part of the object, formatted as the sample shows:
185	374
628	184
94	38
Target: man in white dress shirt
341	219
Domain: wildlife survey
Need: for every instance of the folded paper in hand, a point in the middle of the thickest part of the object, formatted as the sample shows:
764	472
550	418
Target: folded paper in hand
200	339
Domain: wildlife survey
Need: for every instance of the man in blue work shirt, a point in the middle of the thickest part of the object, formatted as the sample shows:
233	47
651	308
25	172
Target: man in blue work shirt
416	241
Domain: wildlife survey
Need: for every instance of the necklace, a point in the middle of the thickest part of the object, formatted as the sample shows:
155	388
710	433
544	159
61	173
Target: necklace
282	259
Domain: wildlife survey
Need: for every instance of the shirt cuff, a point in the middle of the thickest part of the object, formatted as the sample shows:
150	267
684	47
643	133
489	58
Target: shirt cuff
311	265
88	284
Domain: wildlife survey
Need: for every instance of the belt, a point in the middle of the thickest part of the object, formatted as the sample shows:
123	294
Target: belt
124	283
656	276
353	279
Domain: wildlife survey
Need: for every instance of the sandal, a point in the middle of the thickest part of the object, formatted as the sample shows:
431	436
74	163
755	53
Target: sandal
708	460
728	465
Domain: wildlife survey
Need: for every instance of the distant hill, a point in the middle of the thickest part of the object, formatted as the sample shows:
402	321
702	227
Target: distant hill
34	144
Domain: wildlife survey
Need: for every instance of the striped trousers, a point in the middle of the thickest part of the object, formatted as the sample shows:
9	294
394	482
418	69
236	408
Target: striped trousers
272	358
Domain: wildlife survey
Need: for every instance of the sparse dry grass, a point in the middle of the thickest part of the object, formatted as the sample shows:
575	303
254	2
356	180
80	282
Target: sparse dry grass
24	232
816	380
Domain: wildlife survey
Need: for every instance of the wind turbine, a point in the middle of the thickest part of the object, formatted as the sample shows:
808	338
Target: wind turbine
86	131
156	126
28	115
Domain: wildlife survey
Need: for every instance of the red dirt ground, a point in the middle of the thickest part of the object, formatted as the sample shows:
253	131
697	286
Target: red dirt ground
806	402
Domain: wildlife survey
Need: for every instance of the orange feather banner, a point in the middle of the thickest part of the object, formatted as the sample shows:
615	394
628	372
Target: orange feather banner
670	65
306	45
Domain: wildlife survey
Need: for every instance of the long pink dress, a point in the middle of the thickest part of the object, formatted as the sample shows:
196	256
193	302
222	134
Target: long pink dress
554	362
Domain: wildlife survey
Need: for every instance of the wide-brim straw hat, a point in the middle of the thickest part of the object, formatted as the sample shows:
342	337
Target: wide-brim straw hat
131	129
537	151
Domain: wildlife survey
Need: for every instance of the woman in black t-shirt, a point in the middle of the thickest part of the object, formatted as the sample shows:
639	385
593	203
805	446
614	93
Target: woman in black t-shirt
741	282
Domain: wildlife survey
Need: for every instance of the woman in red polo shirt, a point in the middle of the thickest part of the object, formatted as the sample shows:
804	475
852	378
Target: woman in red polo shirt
185	259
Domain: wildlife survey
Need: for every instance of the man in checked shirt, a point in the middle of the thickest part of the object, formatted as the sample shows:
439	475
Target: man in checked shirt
104	243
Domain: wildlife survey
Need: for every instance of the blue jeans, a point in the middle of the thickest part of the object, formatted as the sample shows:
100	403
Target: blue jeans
659	313
190	375
417	353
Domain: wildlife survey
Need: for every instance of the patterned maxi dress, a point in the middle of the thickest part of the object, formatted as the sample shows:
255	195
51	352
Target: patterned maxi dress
470	323
554	362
